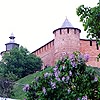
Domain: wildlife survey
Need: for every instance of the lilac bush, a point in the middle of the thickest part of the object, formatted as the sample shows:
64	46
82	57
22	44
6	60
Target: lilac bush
70	79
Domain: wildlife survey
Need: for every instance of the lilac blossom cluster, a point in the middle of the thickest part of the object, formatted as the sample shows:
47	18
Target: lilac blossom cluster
56	73
95	79
47	74
86	57
53	85
73	60
83	98
44	90
26	88
78	59
65	79
36	79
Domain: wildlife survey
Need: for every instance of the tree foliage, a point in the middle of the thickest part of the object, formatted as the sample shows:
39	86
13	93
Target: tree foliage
70	79
90	17
19	62
6	87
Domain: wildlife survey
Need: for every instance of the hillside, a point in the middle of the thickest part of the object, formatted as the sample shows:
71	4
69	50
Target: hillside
18	87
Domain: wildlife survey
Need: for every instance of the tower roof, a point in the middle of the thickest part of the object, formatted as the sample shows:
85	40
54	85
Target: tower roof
66	24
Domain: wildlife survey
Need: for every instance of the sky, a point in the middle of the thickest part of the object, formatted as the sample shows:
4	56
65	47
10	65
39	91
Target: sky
33	21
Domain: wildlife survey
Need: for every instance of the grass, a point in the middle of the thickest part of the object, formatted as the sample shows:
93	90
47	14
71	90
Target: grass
18	87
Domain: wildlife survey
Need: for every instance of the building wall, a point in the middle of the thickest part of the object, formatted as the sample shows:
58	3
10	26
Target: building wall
85	48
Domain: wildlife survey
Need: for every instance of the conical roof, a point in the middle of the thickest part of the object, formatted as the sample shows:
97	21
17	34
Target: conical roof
66	24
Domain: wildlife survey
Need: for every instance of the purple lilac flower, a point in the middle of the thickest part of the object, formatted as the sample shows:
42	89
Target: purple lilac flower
53	85
26	88
63	67
55	68
78	98
36	79
86	57
70	73
72	57
57	78
80	58
56	73
63	78
46	74
44	90
95	79
69	91
24	98
67	79
84	98
73	64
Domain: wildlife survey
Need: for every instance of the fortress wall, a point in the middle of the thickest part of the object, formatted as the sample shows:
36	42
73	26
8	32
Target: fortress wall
46	53
85	48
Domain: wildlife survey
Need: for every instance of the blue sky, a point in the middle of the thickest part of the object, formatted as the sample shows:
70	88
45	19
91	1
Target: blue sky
33	21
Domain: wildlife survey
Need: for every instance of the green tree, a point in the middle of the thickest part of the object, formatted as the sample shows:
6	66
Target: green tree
90	17
19	62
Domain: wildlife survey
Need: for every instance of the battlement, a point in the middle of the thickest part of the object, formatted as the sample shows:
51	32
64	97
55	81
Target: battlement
44	48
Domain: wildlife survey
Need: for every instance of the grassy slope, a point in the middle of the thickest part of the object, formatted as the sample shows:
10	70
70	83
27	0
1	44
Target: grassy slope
19	94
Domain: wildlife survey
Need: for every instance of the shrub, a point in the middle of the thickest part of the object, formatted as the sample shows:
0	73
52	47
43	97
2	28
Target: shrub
70	79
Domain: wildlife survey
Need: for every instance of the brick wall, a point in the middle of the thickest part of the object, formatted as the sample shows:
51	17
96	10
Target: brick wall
85	48
46	53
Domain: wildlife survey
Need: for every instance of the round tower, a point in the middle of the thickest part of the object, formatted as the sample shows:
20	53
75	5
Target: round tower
10	45
67	39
